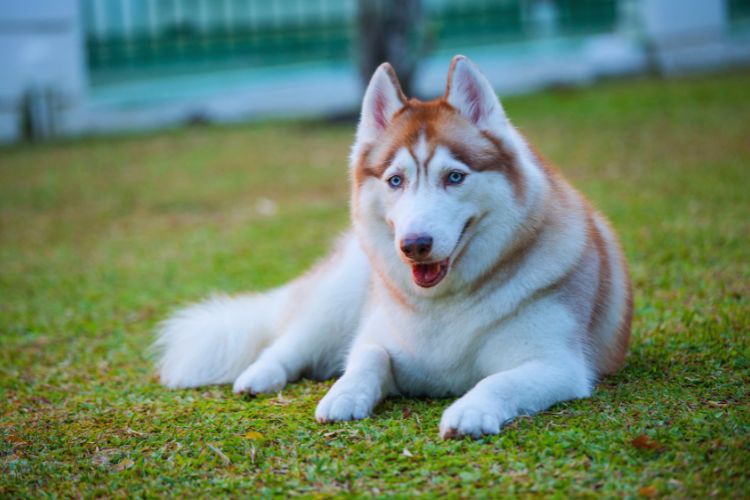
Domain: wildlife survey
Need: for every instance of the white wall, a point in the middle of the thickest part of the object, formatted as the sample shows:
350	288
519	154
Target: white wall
40	45
686	35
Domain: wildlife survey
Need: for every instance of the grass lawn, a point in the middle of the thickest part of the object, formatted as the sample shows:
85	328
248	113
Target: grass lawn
101	238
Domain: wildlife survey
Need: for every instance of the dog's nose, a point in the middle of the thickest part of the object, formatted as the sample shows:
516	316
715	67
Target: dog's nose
416	246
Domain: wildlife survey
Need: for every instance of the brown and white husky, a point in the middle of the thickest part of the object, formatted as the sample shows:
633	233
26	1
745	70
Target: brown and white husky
473	270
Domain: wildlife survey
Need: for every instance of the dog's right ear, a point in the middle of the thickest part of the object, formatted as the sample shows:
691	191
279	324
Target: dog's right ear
383	98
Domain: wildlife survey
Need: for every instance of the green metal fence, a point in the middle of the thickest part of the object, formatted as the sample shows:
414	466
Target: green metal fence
739	16
138	37
480	22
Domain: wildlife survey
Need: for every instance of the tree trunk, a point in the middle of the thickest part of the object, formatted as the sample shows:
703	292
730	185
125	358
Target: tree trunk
390	31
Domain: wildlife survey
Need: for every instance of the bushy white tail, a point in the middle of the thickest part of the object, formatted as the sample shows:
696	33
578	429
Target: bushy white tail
212	342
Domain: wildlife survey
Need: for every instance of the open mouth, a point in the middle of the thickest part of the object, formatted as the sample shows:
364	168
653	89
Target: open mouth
429	274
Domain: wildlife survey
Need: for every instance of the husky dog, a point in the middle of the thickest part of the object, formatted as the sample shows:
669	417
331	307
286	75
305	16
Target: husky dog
473	270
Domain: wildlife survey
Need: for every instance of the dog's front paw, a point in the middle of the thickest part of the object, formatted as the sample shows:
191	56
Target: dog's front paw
346	401
261	378
471	418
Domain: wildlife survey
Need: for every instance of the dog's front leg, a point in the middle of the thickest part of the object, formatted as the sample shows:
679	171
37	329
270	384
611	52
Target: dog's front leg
366	381
529	388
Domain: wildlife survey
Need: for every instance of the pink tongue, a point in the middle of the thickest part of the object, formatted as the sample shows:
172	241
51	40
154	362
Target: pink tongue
426	273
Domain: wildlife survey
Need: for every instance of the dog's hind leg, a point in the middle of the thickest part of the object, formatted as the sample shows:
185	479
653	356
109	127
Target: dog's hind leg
318	325
304	327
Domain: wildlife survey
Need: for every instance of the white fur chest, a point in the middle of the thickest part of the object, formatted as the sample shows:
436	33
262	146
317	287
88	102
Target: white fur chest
435	353
446	346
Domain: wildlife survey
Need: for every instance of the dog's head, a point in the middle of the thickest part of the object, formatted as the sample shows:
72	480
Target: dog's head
426	175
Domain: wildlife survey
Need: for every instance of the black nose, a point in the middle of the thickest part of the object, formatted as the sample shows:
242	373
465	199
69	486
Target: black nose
416	246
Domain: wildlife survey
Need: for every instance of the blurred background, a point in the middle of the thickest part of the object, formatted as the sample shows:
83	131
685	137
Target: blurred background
73	67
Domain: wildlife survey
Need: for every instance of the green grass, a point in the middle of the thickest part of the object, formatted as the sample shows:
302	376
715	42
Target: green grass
100	238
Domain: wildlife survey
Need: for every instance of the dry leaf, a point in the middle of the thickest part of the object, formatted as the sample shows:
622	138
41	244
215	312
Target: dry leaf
254	436
643	442
124	464
15	440
647	491
406	412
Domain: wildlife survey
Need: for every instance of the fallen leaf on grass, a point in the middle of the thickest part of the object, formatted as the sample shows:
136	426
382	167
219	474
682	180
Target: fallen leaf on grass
124	464
15	440
643	442
718	404
254	436
647	491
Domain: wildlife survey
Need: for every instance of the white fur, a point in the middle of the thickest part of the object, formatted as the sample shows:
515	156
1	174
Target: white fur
253	340
513	346
212	342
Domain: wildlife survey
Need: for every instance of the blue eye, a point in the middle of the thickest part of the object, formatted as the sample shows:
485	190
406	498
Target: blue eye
395	181
455	178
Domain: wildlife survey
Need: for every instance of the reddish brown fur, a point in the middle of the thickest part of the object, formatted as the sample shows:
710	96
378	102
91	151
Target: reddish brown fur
620	349
451	70
441	125
623	332
610	361
553	175
393	290
603	289
510	260
607	362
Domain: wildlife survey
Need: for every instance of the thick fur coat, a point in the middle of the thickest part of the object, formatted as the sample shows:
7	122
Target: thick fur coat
473	270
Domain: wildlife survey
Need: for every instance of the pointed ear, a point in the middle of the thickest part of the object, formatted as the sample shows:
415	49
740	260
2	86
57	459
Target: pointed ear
471	94
383	98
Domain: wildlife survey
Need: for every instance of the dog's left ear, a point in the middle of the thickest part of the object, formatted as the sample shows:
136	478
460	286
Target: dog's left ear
383	98
471	94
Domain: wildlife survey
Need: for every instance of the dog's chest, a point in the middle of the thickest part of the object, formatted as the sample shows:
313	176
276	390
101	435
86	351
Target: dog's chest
434	359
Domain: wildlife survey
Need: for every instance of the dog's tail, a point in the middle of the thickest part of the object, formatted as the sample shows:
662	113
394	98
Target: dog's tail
212	342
